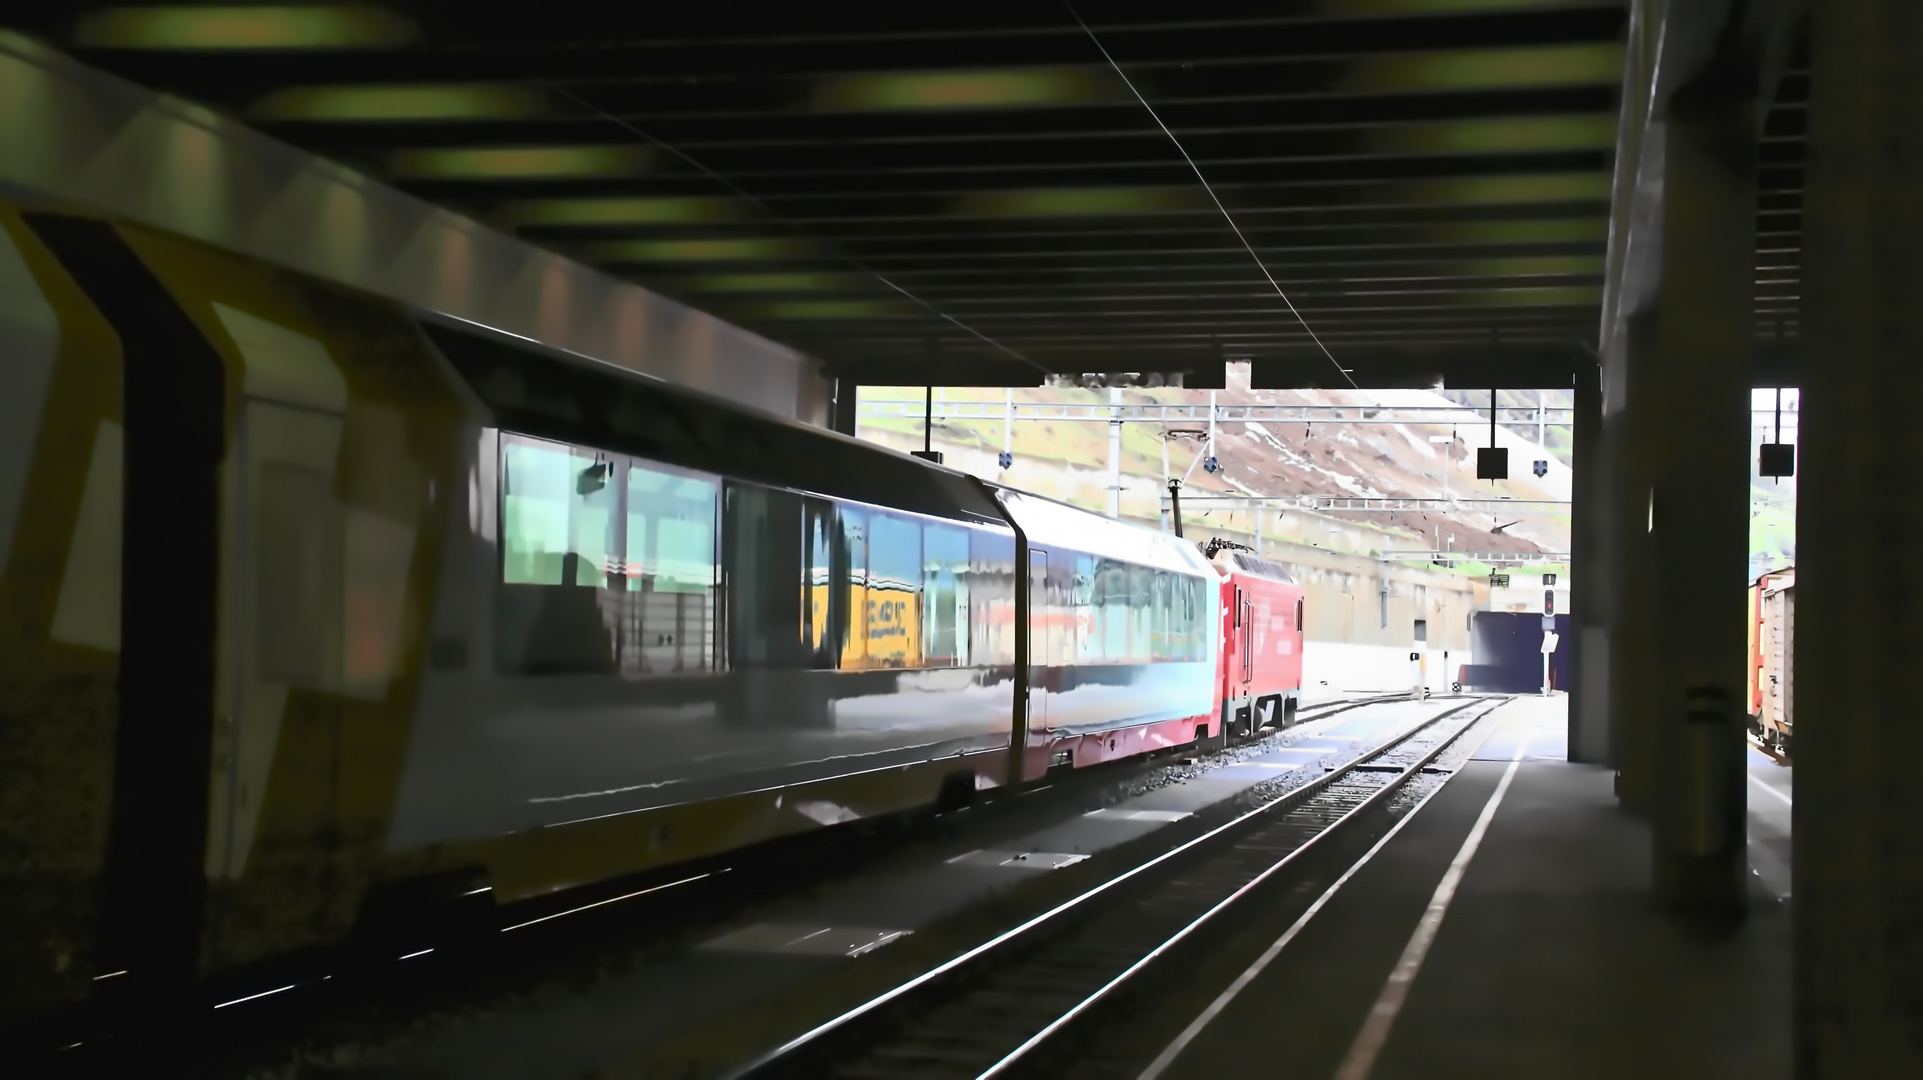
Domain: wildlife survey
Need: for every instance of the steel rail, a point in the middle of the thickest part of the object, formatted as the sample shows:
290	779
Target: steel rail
1374	799
771	1060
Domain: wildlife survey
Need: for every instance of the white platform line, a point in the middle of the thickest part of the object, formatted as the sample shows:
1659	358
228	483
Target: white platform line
1382	1016
1758	781
1174	1049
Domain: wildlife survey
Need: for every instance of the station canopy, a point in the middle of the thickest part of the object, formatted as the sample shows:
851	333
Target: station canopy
974	193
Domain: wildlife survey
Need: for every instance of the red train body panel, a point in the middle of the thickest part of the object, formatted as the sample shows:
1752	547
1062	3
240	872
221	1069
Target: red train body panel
1260	674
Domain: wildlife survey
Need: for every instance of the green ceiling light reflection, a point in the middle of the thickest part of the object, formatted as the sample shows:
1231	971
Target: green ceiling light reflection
519	162
1524	188
831	309
1430	7
1530	265
732	250
1075	202
1551	296
1482	69
443	101
1513	134
622	211
265	26
798	282
994	89
1526	231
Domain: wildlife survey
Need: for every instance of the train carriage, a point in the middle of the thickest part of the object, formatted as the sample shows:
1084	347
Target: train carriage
309	599
1772	652
1121	654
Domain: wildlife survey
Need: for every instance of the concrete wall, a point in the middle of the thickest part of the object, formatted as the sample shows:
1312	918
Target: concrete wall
76	136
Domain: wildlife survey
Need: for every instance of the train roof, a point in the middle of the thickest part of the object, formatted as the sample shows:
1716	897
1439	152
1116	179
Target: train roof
550	393
1260	567
1051	524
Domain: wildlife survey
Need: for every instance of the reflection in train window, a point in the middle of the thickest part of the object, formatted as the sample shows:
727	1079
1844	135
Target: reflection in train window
772	624
1102	611
877	589
557	515
944	590
854	587
607	564
991	599
819	612
1162	645
891	605
1087	617
667	611
558	518
1141	597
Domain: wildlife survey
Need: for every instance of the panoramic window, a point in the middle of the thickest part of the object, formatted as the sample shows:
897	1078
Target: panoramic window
1087	616
944	590
607	563
815	583
557	521
670	563
1103	611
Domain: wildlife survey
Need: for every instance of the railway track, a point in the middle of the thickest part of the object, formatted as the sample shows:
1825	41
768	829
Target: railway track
1769	751
1011	1005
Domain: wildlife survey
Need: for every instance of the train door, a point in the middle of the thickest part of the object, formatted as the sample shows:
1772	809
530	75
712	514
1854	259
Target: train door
1238	704
1245	636
1040	650
1039	641
284	562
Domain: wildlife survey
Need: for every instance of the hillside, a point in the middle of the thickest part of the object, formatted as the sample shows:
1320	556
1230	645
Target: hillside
1068	459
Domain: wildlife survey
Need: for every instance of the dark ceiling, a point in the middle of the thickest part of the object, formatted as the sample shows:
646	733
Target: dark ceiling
970	193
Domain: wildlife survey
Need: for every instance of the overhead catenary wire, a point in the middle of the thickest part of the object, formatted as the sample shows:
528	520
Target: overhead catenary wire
740	193
1213	197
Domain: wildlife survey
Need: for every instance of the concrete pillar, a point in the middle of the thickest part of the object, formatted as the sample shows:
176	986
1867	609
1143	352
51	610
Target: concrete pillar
1589	672
1858	861
1632	595
1624	653
1678	336
1700	484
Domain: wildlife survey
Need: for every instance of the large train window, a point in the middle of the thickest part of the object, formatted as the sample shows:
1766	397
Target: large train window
945	578
1119	613
815	583
671	563
607	563
557	515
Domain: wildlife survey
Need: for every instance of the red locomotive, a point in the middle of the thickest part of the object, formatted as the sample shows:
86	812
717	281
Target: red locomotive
1260	673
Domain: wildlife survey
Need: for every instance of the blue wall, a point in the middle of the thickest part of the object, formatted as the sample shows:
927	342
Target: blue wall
1507	646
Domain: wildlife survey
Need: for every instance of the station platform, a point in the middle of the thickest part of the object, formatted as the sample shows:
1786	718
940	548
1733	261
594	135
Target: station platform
1549	960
